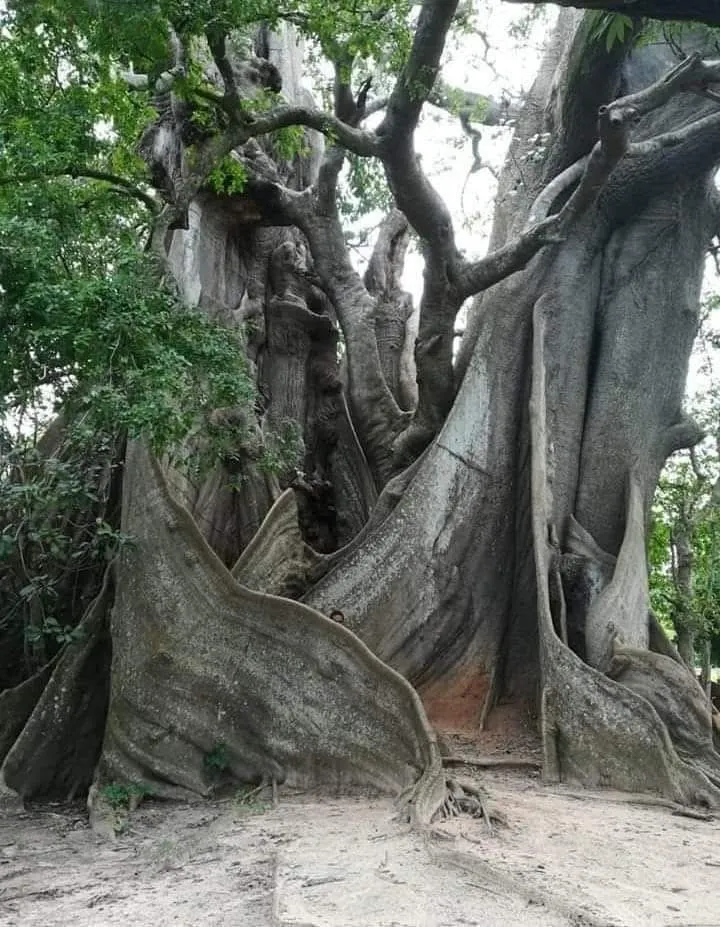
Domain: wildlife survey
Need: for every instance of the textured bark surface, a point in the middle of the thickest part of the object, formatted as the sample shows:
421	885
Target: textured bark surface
693	10
17	704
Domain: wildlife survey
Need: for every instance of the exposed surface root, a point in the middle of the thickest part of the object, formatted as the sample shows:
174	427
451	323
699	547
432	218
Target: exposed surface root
18	703
463	797
646	801
492	762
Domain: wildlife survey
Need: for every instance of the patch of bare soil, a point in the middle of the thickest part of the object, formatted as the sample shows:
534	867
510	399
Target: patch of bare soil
349	862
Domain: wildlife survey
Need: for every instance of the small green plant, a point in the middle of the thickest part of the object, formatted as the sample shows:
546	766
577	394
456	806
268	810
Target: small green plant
121	796
229	177
289	142
217	759
51	627
283	449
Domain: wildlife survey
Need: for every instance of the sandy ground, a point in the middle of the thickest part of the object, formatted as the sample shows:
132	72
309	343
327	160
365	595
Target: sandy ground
349	862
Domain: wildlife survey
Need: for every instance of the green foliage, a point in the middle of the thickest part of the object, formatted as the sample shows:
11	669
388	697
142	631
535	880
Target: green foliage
217	759
133	31
289	143
64	105
364	189
120	796
283	449
616	28
88	324
679	34
117	349
610	28
686	506
456	105
228	177
84	316
59	517
51	627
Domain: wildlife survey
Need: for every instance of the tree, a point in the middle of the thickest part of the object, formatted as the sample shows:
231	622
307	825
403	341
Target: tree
461	530
683	546
683	553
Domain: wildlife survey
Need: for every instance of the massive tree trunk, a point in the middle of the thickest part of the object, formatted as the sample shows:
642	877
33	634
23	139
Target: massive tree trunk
502	575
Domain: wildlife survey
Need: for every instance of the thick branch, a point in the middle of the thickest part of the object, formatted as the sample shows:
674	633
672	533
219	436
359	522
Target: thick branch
439	306
558	185
673	139
382	276
418	76
683	434
692	73
702	11
510	258
356	140
351	111
377	416
216	43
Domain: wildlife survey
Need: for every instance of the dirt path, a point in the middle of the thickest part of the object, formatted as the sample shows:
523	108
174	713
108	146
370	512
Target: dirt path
348	863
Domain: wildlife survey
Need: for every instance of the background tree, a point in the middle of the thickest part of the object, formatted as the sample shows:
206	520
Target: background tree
684	542
481	531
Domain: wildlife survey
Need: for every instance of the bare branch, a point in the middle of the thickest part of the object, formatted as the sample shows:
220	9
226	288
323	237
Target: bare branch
690	74
614	124
685	433
327	180
510	258
166	80
673	139
375	106
564	180
700	474
351	111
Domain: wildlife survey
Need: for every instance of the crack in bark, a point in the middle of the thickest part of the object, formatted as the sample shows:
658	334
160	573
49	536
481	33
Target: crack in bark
463	459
